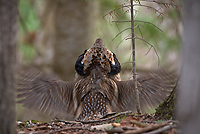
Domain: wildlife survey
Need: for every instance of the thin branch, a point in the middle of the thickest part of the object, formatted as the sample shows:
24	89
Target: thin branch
151	46
128	6
148	50
155	10
167	5
66	122
150	24
140	31
69	128
141	22
138	123
160	130
123	39
123	31
117	26
148	128
120	33
114	10
134	65
122	21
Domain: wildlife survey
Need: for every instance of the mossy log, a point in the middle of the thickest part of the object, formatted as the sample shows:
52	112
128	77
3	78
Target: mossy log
166	110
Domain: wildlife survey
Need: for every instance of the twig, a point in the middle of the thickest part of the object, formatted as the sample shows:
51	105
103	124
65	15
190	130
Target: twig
128	6
160	130
114	130
151	46
144	121
155	10
66	122
148	50
69	128
117	26
121	21
123	39
163	3
141	22
150	24
140	31
112	11
138	123
120	33
106	119
123	31
148	128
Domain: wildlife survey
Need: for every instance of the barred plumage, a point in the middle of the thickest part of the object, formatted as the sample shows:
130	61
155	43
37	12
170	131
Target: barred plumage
97	88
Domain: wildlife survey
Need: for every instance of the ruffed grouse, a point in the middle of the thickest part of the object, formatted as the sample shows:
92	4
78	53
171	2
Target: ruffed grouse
97	88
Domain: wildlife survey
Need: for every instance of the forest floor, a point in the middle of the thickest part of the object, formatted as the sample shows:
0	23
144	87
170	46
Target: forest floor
124	122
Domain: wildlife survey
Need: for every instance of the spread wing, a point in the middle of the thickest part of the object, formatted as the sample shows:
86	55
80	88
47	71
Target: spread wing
153	88
45	93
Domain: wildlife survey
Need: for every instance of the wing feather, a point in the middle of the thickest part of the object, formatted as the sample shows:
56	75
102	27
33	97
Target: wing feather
153	88
45	93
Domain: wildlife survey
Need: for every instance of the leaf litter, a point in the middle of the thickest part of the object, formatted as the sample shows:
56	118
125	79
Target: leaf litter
124	122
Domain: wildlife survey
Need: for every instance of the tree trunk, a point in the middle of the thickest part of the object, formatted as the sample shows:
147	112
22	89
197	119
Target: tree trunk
68	28
8	30
189	95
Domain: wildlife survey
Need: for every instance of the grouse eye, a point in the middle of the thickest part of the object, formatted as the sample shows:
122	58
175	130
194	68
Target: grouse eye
115	69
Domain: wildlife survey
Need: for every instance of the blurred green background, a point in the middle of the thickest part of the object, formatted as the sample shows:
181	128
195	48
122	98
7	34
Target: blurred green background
52	34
